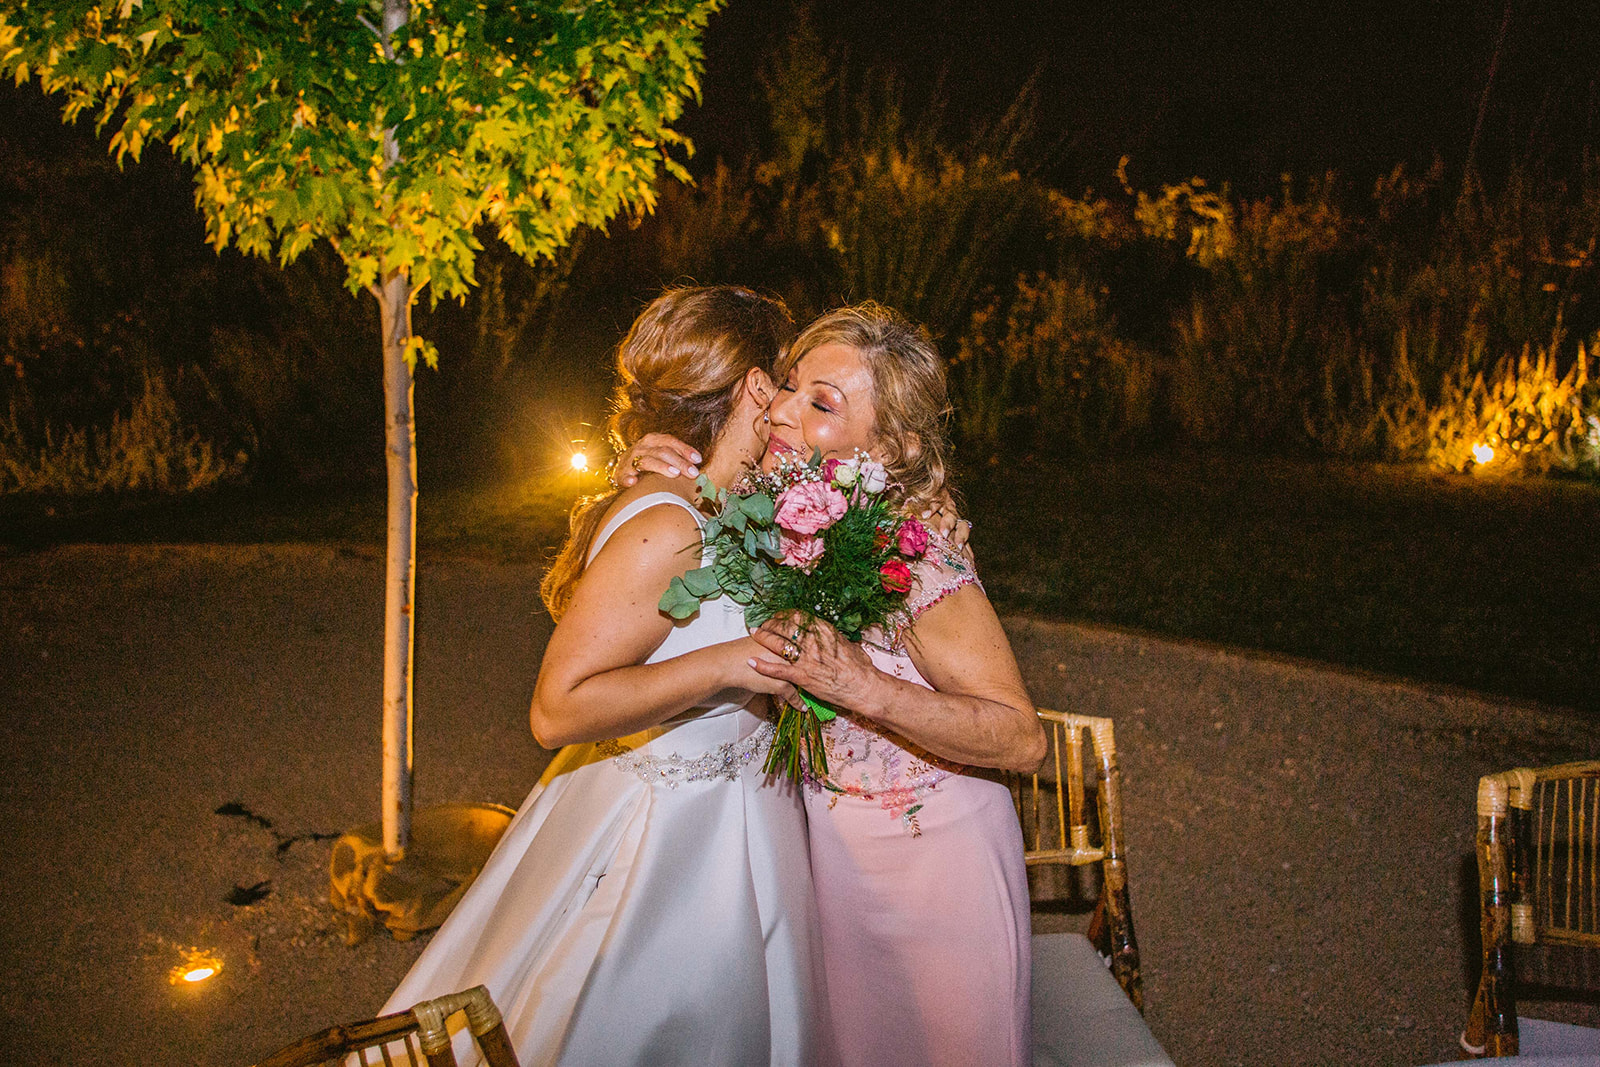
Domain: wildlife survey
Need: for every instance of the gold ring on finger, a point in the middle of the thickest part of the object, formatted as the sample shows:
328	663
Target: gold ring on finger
791	652
634	463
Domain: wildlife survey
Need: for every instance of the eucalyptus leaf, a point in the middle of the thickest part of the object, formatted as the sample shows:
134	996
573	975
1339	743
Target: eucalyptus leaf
759	506
678	602
702	582
769	542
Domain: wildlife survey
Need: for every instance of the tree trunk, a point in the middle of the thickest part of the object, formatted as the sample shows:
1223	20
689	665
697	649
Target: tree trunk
400	566
400	441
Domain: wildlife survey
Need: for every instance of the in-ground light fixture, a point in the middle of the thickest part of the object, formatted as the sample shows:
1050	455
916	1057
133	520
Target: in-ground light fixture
195	965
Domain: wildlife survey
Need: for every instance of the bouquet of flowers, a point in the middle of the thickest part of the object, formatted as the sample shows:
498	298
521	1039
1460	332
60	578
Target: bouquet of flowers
813	537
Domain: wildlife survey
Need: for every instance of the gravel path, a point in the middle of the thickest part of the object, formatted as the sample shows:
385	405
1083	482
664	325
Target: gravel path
1299	838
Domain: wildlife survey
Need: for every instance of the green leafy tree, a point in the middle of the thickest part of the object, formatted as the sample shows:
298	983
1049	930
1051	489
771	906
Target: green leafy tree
396	130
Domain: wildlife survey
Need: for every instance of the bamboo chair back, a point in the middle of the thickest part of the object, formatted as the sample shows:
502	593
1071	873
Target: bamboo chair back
415	1038
1073	818
1538	883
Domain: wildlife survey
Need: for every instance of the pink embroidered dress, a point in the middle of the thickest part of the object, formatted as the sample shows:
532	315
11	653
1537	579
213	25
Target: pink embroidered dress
921	888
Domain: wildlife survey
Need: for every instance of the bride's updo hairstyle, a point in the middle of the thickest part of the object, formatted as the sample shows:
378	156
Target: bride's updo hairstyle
679	371
909	393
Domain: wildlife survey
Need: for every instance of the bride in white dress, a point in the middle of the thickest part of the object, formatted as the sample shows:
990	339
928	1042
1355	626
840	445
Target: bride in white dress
651	903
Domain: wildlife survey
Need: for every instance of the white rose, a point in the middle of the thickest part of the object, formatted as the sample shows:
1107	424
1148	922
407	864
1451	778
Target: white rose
874	479
846	473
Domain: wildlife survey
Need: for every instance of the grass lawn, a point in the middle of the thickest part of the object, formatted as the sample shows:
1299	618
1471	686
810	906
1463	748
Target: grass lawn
1494	585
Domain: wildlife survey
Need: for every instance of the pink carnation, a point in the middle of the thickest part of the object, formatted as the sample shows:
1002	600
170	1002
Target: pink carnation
810	507
802	552
913	540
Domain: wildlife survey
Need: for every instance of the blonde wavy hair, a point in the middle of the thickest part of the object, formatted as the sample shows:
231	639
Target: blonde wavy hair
679	371
910	396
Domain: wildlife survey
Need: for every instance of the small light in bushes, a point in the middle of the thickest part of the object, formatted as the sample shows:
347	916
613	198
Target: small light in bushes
1482	454
580	461
195	966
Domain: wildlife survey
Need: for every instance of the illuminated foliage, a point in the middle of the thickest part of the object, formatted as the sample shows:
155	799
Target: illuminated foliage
393	129
532	117
1522	416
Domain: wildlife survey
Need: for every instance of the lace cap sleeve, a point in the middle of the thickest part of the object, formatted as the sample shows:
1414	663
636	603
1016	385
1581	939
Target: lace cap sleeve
940	572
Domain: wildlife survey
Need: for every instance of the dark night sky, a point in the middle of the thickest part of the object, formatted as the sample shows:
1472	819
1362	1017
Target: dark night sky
1231	91
1234	91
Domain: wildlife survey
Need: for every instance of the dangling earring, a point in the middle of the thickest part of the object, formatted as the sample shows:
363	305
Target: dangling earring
766	418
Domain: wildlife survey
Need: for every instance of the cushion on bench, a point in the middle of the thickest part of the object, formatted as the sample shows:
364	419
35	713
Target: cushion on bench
1081	1015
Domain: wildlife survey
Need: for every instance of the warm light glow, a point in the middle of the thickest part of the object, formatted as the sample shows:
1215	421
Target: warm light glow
197	965
1482	454
580	462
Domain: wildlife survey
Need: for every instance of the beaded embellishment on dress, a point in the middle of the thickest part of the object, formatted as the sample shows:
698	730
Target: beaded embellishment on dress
864	762
726	761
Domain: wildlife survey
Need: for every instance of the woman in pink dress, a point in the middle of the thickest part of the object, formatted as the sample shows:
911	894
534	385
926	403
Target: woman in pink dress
916	854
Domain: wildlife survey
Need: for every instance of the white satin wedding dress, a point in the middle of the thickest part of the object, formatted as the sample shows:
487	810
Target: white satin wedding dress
651	903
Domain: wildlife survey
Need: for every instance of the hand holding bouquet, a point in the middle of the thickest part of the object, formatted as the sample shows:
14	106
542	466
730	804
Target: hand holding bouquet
818	539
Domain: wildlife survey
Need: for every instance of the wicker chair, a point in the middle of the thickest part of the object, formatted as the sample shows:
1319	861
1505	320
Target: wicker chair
1054	808
417	1037
1538	884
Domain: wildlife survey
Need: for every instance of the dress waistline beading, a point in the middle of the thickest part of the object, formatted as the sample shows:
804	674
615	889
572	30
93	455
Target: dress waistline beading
726	761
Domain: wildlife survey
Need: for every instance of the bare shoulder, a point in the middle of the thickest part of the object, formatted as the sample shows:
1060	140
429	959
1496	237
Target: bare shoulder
653	536
955	611
963	622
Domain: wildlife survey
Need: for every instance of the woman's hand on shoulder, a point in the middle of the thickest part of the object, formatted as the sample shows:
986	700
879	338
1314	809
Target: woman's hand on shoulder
658	453
944	518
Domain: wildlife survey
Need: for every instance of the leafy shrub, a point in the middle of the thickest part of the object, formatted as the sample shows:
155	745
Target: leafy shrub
702	232
853	199
1521	416
1188	211
920	229
1049	371
1367	408
1250	352
148	449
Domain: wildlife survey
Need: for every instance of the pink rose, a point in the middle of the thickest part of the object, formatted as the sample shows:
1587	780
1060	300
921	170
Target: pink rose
802	552
896	577
809	507
913	541
828	467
